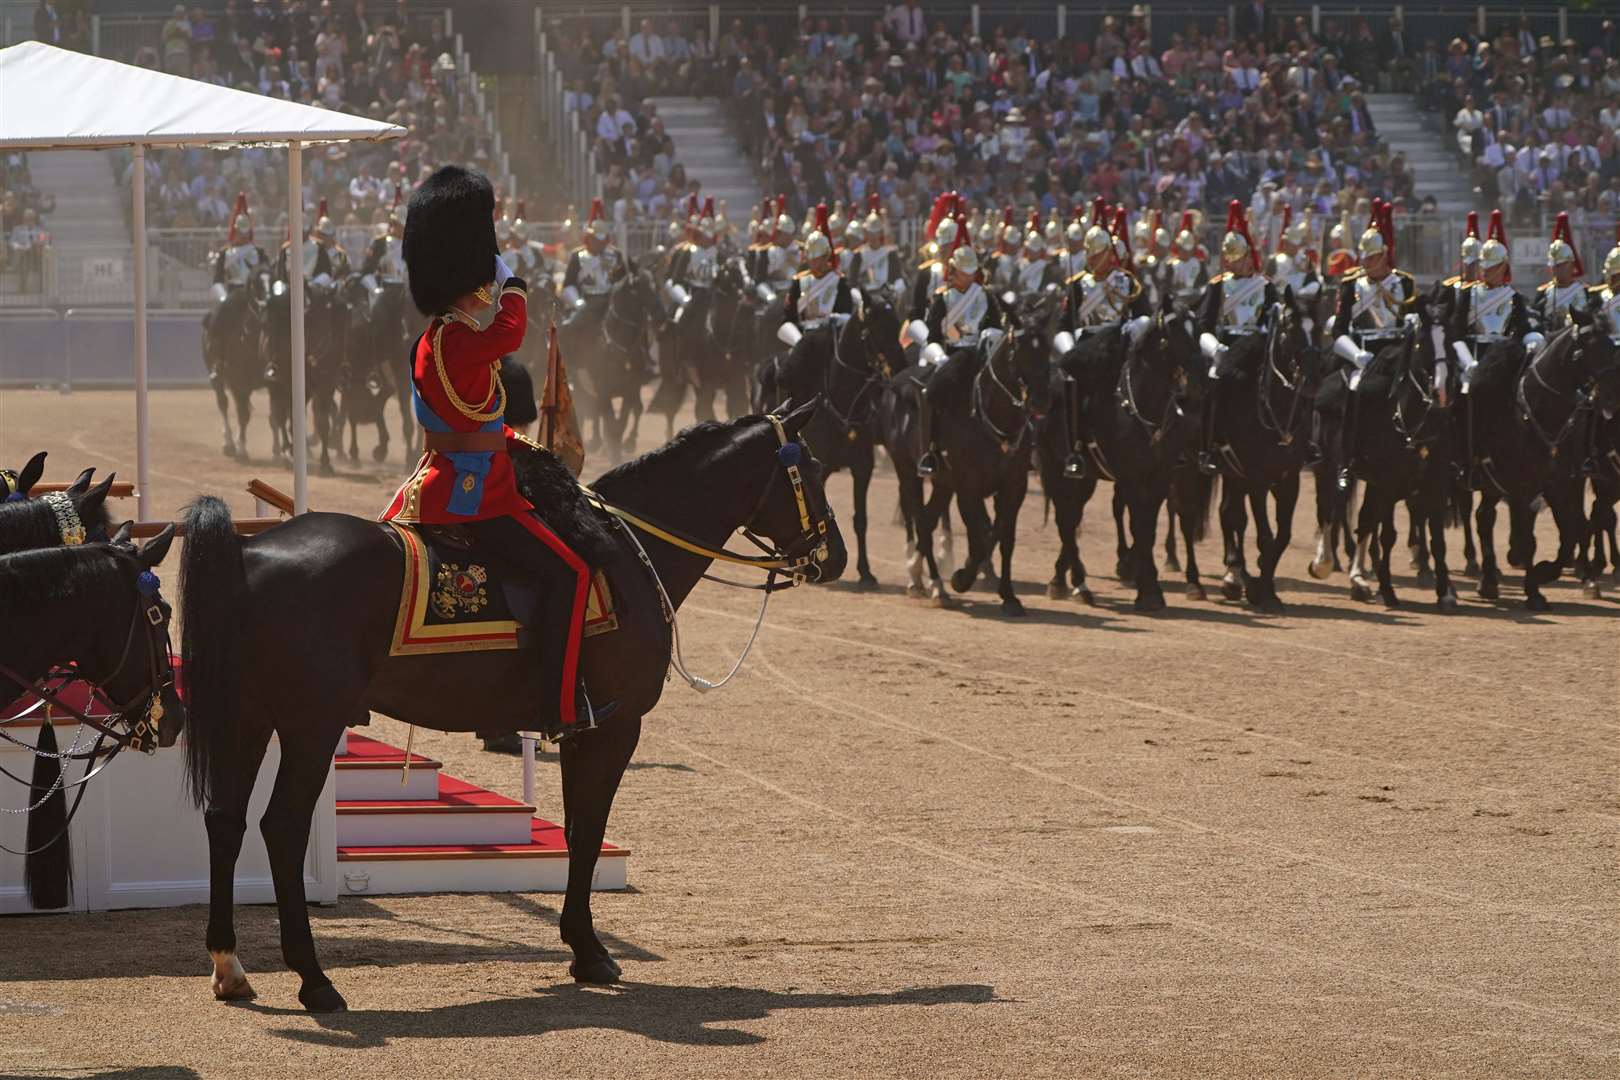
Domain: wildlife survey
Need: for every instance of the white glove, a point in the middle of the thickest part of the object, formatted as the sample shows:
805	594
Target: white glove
1062	342
502	272
1210	345
1136	327
1533	341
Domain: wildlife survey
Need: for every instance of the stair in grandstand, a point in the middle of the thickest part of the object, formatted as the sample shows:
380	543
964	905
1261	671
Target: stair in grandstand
89	233
705	145
1431	155
426	831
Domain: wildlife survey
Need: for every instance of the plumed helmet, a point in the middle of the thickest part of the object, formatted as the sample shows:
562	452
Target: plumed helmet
1053	231
1142	233
986	237
503	230
964	259
1074	235
1161	237
1012	236
323	227
1234	246
873	226
1611	263
241	224
1097	240
674	230
449	243
819	244
1373	241
708	225
836	223
520	230
945	234
1034	242
1562	247
1237	242
785	226
1494	252
1186	236
1468	250
596	225
1122	235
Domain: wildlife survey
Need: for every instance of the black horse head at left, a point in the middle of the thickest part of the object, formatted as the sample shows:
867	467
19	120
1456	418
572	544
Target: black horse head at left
1599	358
16	483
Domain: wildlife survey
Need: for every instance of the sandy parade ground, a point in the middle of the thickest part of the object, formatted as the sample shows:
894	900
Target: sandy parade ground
926	843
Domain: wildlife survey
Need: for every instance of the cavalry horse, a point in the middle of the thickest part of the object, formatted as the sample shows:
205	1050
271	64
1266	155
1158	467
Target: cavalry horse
1139	429
230	342
324	324
712	344
1262	423
362	384
1603	520
1534	422
394	327
608	350
289	631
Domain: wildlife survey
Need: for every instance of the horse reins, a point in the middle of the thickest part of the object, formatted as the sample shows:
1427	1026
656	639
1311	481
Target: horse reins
1010	440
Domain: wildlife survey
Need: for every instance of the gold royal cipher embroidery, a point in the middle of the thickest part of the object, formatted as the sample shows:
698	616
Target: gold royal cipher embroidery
459	591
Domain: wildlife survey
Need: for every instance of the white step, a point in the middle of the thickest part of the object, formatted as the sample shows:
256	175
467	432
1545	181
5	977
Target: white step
371	770
462	813
540	865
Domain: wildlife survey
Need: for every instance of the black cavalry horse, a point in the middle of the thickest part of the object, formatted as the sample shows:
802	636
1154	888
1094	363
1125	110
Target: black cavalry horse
1603	522
713	347
33	523
607	354
281	639
231	352
840	365
1136	413
324	328
1532	431
1262	424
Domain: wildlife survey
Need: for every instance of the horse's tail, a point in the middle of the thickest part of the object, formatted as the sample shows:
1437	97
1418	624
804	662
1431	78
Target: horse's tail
212	586
1200	507
48	866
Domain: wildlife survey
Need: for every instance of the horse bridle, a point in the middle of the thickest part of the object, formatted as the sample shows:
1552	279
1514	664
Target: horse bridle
1284	430
1583	404
1126	393
849	420
1010	441
612	315
1425	394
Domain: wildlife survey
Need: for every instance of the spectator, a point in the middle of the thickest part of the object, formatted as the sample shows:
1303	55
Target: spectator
47	23
28	243
177	43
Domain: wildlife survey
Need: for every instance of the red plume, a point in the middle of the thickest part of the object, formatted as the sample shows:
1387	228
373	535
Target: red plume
1007	216
1287	220
874	203
821	220
320	213
520	212
1034	219
1473	225
941	207
1186	223
1122	233
1238	223
1099	210
597	211
1386	226
1561	232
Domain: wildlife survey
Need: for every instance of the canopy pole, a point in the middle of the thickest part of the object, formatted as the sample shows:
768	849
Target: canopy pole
143	420
295	285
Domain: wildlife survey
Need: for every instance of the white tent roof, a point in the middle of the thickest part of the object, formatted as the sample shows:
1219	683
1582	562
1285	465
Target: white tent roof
53	98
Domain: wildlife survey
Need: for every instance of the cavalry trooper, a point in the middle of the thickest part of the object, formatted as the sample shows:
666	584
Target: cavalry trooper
240	260
1493	312
1374	299
875	266
1232	319
962	317
1186	274
1146	263
1293	266
760	229
783	256
836	224
1341	253
1105	302
943	238
1074	245
1052	233
593	268
384	267
986	239
1001	269
694	264
1555	298
1605	298
323	261
819	294
1448	293
1036	270
466	476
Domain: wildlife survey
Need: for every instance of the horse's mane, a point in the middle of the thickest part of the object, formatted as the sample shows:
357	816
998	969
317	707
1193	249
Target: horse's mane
545	481
1498	371
30	580
31	523
706	437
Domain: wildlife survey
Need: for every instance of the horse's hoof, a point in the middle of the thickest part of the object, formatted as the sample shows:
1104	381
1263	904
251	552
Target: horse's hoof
229	982
867	583
1172	564
962	580
915	591
1083	594
1590	590
1360	593
1448	603
327	470
1271	605
1391	601
1195	591
598	971
1471	568
1537	602
1232	586
1321	569
379	454
1425	576
322	999
1011	605
1122	571
1489	590
1147	602
940	597
1055	590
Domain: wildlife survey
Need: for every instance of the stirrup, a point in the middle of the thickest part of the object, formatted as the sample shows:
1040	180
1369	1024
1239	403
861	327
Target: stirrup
1074	467
1345	478
1313	455
928	464
1206	463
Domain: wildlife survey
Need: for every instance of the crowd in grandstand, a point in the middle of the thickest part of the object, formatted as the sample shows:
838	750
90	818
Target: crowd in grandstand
1539	119
23	237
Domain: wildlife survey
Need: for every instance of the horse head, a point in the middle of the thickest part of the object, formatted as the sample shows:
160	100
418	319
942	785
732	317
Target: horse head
883	329
793	511
1599	359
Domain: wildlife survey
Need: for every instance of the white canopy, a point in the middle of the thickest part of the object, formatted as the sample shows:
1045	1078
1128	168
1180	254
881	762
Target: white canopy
55	99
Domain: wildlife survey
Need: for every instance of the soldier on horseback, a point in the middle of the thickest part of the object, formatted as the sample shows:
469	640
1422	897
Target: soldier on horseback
693	266
1451	291
237	266
1294	264
940	240
1233	319
1373	302
1186	275
875	265
466	477
818	294
963	318
1492	313
783	256
324	262
1035	270
593	268
1105	303
1566	290
1148	238
384	268
1001	268
1606	296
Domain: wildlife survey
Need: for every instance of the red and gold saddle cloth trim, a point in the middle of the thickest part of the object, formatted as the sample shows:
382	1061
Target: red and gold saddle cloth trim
454	595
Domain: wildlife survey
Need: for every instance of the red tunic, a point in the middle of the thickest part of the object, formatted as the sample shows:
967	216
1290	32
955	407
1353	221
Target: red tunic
454	374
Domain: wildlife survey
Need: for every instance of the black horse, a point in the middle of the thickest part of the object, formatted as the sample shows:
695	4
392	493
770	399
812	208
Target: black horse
394	326
231	353
1602	521
1262	425
363	387
98	607
607	352
288	632
840	365
33	523
1136	412
1401	451
324	326
1533	427
713	347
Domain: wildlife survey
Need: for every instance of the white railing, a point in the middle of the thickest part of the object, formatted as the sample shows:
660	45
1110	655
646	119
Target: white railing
570	145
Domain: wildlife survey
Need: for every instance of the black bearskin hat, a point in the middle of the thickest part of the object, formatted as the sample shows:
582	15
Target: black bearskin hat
449	243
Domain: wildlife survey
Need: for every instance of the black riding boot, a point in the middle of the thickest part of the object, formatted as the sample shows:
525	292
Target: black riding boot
928	462
1074	465
1206	453
1314	453
547	624
1347	443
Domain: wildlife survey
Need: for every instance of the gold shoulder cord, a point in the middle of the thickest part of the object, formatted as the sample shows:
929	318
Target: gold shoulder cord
455	399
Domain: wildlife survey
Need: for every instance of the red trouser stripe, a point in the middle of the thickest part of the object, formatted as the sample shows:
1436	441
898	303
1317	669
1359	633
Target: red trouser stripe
576	621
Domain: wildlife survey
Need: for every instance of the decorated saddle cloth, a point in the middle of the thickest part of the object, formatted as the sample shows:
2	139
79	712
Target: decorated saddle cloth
456	599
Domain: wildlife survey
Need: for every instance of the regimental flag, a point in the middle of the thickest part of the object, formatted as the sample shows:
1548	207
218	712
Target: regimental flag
559	427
